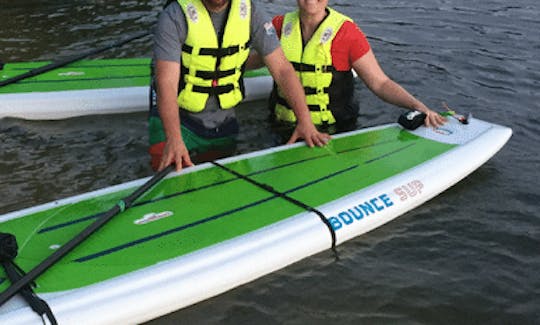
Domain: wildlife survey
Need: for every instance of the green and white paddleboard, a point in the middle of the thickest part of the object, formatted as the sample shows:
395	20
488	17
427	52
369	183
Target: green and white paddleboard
89	87
214	227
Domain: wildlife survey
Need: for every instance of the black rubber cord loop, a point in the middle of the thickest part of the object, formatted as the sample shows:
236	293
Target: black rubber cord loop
288	198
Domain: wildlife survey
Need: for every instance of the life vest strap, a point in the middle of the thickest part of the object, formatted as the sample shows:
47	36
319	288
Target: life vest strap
304	67
283	102
213	75
314	91
217	90
216	52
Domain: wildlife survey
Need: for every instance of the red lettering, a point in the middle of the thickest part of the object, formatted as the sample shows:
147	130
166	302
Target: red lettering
402	195
409	190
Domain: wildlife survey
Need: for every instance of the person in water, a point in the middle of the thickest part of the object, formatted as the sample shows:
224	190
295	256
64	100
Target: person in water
324	46
200	53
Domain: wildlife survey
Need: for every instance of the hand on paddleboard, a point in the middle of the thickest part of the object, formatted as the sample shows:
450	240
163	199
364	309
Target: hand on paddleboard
433	119
175	152
310	134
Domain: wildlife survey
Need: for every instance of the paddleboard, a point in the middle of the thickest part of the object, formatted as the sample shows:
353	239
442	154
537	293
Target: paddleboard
90	87
218	225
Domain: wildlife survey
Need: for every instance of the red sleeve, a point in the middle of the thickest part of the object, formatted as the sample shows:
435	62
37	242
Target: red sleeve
278	24
349	45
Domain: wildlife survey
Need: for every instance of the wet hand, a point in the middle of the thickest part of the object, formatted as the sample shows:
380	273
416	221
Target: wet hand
434	119
310	134
177	153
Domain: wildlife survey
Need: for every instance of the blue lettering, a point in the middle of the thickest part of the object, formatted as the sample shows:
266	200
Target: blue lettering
358	212
346	218
374	202
358	215
367	208
335	223
386	200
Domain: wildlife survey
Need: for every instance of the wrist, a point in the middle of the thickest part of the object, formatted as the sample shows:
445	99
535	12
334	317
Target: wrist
420	108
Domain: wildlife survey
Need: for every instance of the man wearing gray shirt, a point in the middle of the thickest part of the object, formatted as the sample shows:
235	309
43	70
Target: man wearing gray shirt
200	52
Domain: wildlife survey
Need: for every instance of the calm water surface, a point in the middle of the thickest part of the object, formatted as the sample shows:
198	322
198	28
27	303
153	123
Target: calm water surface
469	256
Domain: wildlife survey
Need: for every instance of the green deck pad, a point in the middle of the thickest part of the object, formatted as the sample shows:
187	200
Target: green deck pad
86	74
210	206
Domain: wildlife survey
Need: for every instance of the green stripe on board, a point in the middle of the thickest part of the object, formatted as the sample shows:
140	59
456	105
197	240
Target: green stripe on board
86	74
210	206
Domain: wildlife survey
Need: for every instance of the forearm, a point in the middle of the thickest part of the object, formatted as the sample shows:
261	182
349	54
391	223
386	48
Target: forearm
294	95
393	93
292	89
175	151
167	89
168	111
254	61
386	89
287	80
380	84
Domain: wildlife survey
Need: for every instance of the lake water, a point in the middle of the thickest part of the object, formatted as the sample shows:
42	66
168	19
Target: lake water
469	256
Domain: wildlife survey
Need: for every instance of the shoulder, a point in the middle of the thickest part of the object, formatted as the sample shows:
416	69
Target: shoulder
173	9
172	13
256	10
350	30
258	15
170	33
351	35
349	45
263	33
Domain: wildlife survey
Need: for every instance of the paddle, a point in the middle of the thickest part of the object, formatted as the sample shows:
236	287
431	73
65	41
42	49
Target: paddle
121	206
58	64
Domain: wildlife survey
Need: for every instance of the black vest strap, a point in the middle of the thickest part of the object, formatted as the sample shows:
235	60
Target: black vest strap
313	91
216	52
214	75
312	108
303	67
340	91
218	90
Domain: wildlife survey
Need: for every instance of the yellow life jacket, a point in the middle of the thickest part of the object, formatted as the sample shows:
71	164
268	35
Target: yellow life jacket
211	66
313	65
